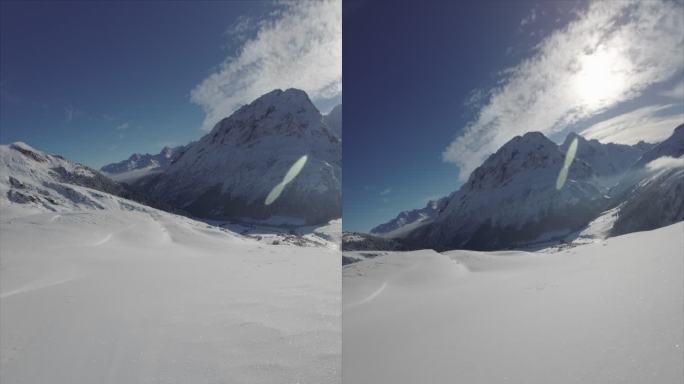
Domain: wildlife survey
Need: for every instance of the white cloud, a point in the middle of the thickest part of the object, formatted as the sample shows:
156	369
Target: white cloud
529	18
677	92
239	29
300	48
122	127
609	54
665	162
646	123
385	192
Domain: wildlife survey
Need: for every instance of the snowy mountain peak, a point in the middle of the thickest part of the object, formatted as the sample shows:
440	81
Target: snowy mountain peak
521	155
29	151
292	96
138	165
673	146
167	152
531	142
607	159
569	139
229	172
287	113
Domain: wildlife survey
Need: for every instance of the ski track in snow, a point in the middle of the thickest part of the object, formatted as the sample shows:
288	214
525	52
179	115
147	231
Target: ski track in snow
104	240
370	297
36	286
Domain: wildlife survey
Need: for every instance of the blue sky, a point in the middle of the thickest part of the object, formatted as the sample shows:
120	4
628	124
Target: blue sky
98	81
432	89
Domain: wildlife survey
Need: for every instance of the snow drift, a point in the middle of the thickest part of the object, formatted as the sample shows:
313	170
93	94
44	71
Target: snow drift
606	312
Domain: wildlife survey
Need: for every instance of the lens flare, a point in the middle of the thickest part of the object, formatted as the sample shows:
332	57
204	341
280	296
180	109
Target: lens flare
289	176
569	157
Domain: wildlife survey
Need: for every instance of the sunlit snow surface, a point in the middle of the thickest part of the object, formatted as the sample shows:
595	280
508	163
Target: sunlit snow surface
609	311
134	295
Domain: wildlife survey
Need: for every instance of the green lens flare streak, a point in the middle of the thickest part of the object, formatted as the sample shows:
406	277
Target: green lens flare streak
289	176
569	157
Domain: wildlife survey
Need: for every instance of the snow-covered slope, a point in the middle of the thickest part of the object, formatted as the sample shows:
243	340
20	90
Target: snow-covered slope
142	161
135	295
229	172
95	288
606	312
657	200
34	178
409	220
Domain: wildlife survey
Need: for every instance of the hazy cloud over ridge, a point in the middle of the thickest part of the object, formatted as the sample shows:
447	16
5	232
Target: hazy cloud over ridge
300	48
650	124
609	54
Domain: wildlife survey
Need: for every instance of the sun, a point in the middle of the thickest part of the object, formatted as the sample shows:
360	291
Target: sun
600	79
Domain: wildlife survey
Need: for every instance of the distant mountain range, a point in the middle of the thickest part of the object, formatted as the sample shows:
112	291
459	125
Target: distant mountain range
138	165
227	174
409	220
512	199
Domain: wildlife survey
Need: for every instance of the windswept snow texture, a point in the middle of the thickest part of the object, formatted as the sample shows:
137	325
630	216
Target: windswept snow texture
605	312
95	288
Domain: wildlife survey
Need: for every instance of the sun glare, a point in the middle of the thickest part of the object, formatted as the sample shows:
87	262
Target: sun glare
599	79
